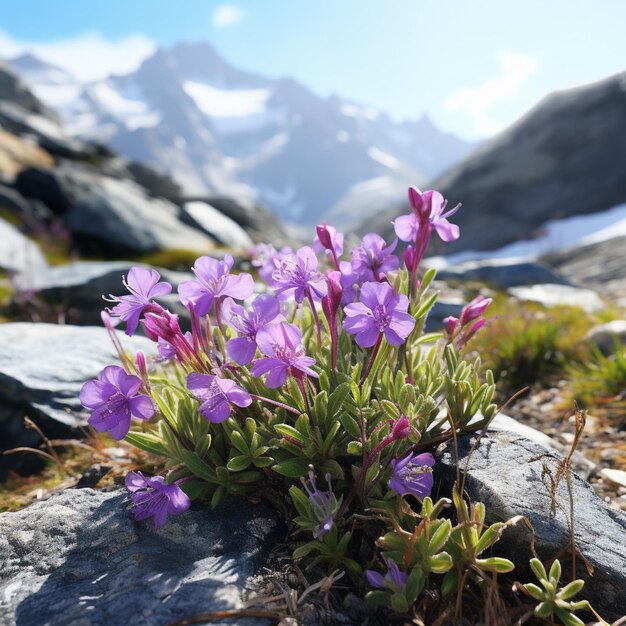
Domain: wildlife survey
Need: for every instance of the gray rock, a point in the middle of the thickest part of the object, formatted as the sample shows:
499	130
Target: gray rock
155	181
17	252
257	220
42	369
558	160
79	559
502	273
441	310
606	336
79	286
560	295
119	214
599	266
217	225
505	473
49	134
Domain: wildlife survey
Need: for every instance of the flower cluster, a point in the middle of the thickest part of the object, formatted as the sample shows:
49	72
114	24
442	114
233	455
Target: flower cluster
317	369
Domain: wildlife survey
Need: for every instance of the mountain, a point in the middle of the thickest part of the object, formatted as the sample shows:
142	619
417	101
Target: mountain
564	158
222	130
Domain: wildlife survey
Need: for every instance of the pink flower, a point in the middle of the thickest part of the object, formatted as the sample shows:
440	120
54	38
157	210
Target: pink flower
381	310
284	354
143	285
214	281
297	275
114	396
217	394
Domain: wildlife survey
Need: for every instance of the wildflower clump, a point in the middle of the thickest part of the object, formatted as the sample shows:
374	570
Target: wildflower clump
317	389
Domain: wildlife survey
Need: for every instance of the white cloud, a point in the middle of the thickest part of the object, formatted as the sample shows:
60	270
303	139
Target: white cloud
227	15
88	56
480	103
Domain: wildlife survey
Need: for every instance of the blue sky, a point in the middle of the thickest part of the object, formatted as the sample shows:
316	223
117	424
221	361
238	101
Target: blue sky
473	66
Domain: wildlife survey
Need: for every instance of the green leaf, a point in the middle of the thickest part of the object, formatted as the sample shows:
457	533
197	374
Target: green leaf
399	603
415	584
239	442
539	570
555	570
355	448
495	564
570	590
262	461
147	442
218	496
440	563
306	549
300	501
449	582
569	619
198	467
337	398
440	537
489	537
238	463
350	424
290	431
379	598
536	592
292	468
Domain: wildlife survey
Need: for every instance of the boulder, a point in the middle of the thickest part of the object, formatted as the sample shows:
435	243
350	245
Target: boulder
557	161
606	336
118	215
79	286
79	559
597	265
560	295
220	227
506	472
48	134
42	369
443	308
258	221
16	154
17	252
156	182
502	273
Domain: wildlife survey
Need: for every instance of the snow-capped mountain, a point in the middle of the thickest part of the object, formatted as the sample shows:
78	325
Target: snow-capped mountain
218	129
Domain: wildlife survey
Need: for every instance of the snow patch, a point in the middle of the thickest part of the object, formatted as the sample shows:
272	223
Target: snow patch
352	110
384	158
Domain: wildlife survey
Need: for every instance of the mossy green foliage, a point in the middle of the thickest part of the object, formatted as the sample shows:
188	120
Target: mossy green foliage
597	382
526	342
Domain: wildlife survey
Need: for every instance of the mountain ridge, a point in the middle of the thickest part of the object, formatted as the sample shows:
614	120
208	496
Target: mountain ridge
221	129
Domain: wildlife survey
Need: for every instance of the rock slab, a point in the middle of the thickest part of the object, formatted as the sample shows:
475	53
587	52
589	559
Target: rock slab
505	473
42	369
79	559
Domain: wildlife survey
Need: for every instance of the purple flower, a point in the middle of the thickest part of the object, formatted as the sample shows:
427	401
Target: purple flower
143	285
267	259
373	258
427	213
153	497
394	579
264	310
213	282
413	474
348	281
114	397
217	394
296	275
282	345
381	310
324	505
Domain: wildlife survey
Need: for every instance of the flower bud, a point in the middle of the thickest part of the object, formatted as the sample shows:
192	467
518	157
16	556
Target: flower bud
401	428
163	325
409	258
324	235
452	325
474	309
